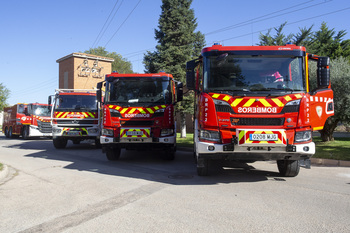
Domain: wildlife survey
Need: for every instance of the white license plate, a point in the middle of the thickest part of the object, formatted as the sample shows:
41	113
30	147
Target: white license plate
134	133
73	133
263	137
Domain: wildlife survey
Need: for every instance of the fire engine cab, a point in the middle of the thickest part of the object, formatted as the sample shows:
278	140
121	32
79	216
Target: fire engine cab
254	103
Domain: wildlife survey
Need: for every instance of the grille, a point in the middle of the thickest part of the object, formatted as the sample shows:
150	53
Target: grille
137	123
291	108
44	127
75	122
223	108
257	121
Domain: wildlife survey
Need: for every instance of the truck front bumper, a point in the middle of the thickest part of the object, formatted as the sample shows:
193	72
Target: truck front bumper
75	132
256	153
170	140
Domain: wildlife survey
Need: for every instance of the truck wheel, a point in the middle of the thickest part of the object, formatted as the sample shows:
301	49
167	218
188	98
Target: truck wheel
203	166
25	132
10	135
6	132
113	154
59	143
288	168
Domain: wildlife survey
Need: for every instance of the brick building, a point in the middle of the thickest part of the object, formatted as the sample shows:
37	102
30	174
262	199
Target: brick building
82	71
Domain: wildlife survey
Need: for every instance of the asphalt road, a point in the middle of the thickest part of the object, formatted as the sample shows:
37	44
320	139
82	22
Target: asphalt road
77	190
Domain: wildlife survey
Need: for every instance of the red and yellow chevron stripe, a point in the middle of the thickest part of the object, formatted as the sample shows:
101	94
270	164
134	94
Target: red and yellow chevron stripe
256	102
42	119
261	137
136	110
80	115
132	133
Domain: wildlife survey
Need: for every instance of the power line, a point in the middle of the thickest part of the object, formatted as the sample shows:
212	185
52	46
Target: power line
95	42
298	21
123	22
263	18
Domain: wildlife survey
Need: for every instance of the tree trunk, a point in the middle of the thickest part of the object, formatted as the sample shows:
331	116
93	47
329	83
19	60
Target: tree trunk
183	124
328	129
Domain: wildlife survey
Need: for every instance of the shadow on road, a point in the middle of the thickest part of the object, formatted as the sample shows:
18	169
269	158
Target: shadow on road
147	165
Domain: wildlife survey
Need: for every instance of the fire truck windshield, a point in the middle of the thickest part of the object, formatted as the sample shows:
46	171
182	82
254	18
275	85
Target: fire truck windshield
135	91
76	102
263	74
39	110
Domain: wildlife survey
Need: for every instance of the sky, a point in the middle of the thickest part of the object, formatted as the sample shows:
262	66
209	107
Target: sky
35	33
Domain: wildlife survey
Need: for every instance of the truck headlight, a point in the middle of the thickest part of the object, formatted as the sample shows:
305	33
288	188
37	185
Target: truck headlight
303	136
92	130
108	132
115	113
166	132
209	135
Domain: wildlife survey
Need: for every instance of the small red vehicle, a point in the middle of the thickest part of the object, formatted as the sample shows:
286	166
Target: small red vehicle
27	120
254	103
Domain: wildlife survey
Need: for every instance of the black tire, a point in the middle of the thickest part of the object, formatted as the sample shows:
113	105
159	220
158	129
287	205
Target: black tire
25	132
6	132
59	143
113	154
288	168
203	167
10	134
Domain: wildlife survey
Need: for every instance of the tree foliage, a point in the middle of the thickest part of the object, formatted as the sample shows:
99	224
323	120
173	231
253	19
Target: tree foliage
177	43
120	64
4	95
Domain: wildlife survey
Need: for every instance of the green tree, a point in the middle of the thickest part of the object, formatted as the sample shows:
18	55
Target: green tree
177	43
340	80
120	64
4	95
327	42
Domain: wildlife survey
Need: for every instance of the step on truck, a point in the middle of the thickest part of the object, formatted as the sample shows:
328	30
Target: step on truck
27	120
254	103
138	113
74	116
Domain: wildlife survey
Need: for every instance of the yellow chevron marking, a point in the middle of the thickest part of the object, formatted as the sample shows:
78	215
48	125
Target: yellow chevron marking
91	115
124	110
59	114
86	115
287	98
65	114
227	98
150	110
142	111
241	134
110	106
265	103
163	106
278	102
118	107
156	107
236	102
132	110
249	103
215	96
298	96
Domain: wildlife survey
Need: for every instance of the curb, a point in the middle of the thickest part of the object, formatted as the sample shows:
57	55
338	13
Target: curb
314	161
4	172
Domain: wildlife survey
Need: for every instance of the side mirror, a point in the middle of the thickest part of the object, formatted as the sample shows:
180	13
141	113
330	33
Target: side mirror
323	74
190	74
99	91
180	92
49	100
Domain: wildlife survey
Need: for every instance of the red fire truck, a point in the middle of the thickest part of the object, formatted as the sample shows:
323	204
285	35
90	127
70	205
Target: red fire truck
27	120
254	103
75	117
138	113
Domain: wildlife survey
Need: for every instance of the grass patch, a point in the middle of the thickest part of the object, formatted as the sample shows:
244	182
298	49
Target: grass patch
184	142
337	149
